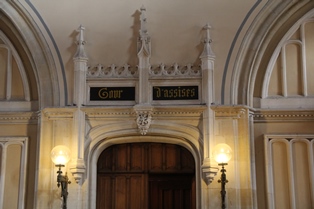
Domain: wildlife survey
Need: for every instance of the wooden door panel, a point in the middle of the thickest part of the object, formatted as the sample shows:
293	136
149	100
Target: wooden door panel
175	199
137	157
172	161
120	192
120	157
123	191
171	192
146	176
104	194
169	158
137	192
155	160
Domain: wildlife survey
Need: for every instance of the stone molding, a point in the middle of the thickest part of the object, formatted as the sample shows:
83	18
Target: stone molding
59	113
235	112
104	112
283	115
108	112
263	115
19	118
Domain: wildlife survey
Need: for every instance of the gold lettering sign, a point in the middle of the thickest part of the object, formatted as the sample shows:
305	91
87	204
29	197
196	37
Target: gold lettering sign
175	92
112	93
104	93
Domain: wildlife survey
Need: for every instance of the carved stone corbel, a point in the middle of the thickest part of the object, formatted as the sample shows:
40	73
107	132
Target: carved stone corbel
209	172
78	169
143	118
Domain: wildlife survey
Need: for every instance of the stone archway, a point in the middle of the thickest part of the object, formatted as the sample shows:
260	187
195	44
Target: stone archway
46	79
98	148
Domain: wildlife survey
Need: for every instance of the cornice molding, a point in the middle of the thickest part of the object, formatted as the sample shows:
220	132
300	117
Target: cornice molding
18	117
288	115
182	111
169	111
234	112
283	115
108	112
59	113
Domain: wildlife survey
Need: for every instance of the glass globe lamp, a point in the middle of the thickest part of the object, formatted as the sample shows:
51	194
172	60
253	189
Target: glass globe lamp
222	153
60	155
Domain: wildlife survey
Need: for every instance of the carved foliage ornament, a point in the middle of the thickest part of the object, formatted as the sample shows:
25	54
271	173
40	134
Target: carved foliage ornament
144	119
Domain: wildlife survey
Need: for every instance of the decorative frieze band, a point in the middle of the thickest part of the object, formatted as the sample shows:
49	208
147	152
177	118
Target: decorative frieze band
180	112
19	118
112	71
127	71
263	115
59	113
230	111
155	111
286	115
108	112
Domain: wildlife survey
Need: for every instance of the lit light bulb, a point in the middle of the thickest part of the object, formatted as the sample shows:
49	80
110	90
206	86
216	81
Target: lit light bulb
222	153
60	155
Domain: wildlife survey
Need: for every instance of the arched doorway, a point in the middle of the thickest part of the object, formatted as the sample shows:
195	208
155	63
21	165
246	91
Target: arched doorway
146	175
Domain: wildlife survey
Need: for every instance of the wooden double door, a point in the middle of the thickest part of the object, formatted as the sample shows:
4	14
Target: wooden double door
146	176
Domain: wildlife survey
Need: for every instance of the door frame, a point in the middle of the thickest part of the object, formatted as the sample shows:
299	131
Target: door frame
97	148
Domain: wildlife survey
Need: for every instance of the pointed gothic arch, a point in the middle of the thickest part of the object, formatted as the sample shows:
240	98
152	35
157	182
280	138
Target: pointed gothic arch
264	35
46	82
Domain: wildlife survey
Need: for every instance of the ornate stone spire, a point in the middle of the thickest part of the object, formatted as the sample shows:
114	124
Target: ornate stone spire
207	51
80	51
143	30
143	54
144	38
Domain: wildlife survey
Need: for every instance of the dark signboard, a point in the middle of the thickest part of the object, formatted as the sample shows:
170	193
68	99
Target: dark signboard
175	92
112	93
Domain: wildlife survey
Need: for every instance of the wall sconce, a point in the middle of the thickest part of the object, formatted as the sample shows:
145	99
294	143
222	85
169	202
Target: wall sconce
60	155
222	154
